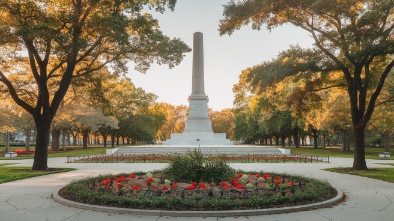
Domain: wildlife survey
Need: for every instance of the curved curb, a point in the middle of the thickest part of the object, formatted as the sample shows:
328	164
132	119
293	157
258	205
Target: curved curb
221	213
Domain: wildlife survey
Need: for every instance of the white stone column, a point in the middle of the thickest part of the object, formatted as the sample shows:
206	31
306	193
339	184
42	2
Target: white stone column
198	64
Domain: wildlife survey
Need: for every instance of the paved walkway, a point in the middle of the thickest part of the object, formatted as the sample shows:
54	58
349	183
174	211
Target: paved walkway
30	199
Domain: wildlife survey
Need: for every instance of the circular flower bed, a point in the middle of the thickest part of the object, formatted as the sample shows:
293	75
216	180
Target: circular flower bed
244	190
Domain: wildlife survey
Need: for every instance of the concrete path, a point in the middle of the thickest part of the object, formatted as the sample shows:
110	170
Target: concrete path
30	199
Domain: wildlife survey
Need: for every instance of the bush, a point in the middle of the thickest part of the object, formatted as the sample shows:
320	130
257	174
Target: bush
195	167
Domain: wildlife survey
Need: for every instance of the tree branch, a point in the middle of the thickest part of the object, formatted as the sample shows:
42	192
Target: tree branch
14	95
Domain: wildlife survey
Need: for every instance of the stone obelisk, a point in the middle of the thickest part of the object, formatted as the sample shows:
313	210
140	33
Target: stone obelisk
198	126
198	119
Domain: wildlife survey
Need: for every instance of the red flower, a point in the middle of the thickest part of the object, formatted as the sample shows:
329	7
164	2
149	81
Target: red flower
117	185
277	183
236	183
202	186
121	179
106	181
173	186
239	175
194	184
227	186
277	178
265	176
165	188
134	187
191	187
258	175
240	186
132	175
232	179
290	183
150	180
153	188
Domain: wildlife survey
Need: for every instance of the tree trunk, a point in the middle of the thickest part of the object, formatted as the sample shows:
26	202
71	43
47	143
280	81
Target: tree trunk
113	140
68	139
55	139
276	140
7	141
64	133
324	141
28	134
85	137
346	142
296	137
74	138
42	143
386	140
105	140
315	138
359	162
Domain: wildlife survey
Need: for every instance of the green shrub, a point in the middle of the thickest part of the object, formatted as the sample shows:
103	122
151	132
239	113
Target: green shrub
195	167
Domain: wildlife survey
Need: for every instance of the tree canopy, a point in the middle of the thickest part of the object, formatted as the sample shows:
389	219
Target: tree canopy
46	44
354	38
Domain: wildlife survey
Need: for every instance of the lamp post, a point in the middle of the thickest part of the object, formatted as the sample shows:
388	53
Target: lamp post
198	141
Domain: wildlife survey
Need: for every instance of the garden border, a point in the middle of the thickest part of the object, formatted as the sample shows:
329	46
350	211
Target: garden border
219	213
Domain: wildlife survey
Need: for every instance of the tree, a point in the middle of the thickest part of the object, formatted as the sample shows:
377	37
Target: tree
223	122
53	42
352	37
175	122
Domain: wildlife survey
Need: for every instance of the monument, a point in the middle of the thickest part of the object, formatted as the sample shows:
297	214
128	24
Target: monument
198	126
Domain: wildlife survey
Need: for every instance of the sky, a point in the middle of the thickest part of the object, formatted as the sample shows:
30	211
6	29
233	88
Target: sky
224	56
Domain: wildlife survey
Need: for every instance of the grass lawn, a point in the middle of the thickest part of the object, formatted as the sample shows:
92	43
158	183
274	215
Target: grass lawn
370	153
8	174
385	174
70	151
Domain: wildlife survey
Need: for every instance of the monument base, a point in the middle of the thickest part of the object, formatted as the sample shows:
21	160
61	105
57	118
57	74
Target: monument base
198	138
